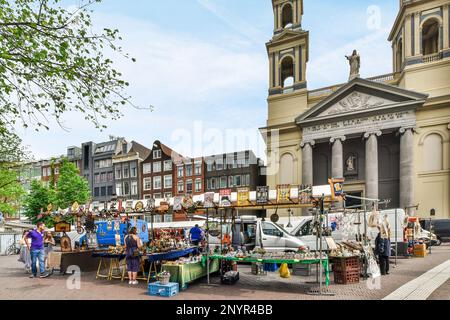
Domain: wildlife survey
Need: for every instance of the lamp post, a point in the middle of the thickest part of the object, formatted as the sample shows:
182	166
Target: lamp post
289	213
432	214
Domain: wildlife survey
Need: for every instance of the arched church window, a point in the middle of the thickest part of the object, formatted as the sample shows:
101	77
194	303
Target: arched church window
433	153
430	37
399	55
287	72
287	169
287	16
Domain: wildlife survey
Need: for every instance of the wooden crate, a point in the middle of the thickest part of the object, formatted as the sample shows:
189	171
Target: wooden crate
420	251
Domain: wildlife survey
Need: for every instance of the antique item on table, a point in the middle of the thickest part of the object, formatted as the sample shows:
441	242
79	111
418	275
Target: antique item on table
66	244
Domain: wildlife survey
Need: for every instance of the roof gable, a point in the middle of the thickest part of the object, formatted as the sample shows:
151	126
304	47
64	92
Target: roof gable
361	96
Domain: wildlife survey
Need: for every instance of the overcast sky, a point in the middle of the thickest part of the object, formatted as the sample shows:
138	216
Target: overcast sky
203	65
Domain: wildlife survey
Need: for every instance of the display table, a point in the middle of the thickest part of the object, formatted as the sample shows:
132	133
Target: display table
116	263
187	273
61	261
325	262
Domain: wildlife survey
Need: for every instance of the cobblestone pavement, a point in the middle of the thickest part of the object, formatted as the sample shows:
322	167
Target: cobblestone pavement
15	284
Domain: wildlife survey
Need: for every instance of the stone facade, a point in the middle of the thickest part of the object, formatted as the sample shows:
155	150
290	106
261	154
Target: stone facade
388	135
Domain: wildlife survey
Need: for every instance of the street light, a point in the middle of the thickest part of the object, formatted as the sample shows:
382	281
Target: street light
432	214
289	213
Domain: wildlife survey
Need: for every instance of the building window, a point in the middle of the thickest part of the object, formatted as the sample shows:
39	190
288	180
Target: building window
180	171
189	170
156	183
110	190
168	165
180	187
287	72
56	170
198	185
430	37
198	168
134	188
210	166
219	165
231	182
99	164
189	186
157	154
147	184
103	191
247	160
147	168
97	178
213	183
287	169
126	188
126	173
110	176
118	174
96	192
103	177
133	172
167	182
287	16
223	182
156	167
157	196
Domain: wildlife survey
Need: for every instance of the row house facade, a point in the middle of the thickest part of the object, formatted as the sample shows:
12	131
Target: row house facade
127	172
158	173
190	176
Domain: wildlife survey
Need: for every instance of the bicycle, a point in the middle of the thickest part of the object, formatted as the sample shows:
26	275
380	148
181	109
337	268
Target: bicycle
13	249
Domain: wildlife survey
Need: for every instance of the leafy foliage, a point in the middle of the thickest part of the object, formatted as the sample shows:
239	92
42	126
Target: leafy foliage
11	192
51	62
71	186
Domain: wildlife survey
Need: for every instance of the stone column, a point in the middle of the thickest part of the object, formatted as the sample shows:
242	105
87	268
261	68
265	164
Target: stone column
372	164
307	162
337	160
406	167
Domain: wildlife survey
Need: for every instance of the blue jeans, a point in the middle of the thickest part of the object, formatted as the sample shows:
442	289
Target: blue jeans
35	255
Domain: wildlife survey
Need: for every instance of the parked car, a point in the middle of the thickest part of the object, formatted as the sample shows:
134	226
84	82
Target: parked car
440	227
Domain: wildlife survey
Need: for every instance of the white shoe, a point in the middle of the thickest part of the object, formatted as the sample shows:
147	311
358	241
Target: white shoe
130	282
135	282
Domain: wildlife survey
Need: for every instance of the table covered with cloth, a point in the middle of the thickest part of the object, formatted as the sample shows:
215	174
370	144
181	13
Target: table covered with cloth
325	263
187	273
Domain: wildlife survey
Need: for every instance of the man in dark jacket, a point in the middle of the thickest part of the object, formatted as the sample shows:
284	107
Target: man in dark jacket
383	251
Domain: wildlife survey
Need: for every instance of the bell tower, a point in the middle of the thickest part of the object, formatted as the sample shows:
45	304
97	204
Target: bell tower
420	41
288	55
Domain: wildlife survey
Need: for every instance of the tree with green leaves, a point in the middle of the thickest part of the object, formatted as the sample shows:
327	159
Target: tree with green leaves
71	187
11	192
52	62
37	201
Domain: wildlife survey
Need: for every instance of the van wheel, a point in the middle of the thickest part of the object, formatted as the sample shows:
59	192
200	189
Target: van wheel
438	242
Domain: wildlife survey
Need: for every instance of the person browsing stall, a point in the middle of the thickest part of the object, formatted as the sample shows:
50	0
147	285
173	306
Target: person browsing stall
36	249
132	245
196	235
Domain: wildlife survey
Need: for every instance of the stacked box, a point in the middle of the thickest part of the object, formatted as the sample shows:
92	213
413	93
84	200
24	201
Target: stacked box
347	270
164	290
420	250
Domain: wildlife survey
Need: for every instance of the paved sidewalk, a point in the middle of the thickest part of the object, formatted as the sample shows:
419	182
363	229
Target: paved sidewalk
15	284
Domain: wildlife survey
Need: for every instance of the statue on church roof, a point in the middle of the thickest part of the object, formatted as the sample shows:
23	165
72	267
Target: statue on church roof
355	65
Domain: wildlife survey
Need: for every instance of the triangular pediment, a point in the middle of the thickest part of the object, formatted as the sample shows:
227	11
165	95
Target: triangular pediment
362	96
287	34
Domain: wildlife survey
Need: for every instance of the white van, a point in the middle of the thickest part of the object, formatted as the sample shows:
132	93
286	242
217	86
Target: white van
349	225
248	231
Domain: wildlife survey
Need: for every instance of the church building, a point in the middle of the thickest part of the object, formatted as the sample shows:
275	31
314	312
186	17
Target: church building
388	136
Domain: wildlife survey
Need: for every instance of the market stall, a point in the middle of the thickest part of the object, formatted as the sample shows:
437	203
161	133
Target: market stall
185	271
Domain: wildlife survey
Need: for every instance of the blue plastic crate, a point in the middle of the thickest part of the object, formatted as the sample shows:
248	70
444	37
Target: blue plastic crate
164	290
